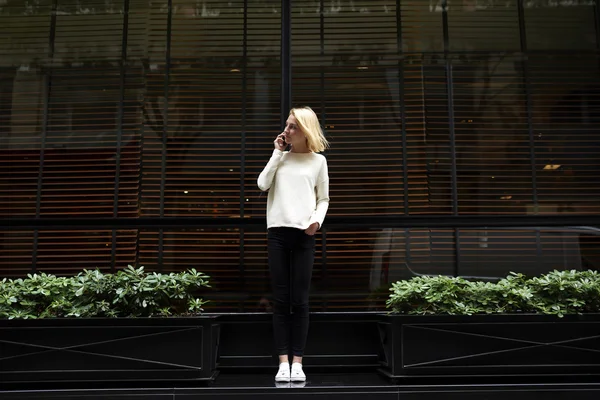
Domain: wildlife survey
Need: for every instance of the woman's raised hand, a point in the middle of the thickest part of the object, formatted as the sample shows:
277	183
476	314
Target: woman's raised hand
279	142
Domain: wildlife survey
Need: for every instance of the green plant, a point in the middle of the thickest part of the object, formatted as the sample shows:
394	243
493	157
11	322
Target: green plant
558	292
566	292
131	292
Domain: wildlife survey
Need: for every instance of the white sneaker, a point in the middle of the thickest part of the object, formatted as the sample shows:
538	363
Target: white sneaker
283	375
297	373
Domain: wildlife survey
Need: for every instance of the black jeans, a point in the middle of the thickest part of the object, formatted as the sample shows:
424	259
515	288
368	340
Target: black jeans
291	258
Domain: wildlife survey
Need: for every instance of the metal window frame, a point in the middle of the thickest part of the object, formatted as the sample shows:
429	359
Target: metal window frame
406	221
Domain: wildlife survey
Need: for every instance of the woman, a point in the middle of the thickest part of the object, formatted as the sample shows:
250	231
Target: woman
298	185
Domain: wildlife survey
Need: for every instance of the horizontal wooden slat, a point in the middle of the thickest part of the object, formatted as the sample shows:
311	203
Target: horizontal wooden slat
16	255
67	253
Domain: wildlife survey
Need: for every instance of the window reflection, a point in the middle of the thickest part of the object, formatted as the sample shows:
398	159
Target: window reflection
180	123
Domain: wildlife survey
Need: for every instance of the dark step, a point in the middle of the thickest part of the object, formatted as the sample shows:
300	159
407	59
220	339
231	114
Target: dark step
347	386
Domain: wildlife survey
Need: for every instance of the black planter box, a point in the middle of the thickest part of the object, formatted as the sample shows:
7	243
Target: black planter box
489	345
108	350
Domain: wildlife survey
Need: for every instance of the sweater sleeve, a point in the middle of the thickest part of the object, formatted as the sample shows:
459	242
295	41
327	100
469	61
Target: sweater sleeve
265	179
322	193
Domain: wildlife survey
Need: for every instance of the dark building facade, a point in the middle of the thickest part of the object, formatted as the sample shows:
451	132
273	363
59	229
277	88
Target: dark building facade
148	122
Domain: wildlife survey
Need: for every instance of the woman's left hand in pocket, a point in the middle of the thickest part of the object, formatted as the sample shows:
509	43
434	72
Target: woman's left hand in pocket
312	229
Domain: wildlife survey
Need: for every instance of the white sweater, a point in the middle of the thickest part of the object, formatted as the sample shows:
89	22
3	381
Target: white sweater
298	185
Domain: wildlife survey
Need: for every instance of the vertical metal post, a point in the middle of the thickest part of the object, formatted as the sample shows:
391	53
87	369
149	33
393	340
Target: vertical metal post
445	28
286	75
324	270
165	132
44	134
286	61
597	19
322	54
597	15
244	68
402	106
454	172
527	86
120	113
404	134
452	134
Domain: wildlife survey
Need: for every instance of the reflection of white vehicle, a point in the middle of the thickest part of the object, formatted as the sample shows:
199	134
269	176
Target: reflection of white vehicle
484	253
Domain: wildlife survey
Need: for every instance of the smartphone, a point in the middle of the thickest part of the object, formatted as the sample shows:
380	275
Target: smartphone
285	144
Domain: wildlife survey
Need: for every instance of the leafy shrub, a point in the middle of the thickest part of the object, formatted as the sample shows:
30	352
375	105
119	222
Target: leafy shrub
131	292
558	293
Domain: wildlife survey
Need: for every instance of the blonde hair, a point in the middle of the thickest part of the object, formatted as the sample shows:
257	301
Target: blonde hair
308	122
